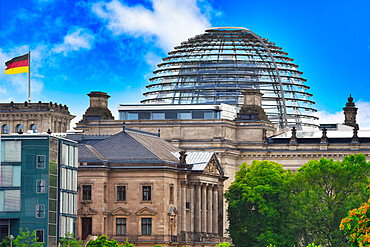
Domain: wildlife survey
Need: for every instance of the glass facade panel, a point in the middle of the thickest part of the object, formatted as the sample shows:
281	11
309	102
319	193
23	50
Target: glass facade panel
132	116
11	151
184	115
158	115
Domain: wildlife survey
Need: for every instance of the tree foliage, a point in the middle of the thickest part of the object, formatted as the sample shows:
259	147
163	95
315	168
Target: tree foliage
102	241
26	239
70	241
255	208
357	224
268	205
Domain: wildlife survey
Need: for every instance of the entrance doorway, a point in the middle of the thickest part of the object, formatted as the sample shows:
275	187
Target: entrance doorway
4	231
86	227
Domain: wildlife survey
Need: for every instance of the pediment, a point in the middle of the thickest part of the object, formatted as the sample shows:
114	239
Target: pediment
213	167
86	210
120	211
146	211
172	211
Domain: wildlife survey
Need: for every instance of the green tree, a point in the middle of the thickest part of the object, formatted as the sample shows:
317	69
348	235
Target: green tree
102	241
5	242
224	244
256	210
322	192
26	239
70	241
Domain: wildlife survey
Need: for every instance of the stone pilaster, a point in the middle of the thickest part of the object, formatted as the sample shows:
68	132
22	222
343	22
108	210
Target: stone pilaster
197	211
215	211
204	208
209	208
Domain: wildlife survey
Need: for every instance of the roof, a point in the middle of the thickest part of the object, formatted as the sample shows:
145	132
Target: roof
127	147
198	160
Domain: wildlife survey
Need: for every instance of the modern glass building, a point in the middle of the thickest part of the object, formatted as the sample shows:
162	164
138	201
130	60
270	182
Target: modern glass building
214	68
38	186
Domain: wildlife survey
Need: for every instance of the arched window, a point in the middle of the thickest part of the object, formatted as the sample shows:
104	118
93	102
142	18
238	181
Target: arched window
5	129
18	127
33	128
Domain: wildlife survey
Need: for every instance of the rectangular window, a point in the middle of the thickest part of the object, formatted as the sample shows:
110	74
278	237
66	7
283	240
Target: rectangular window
209	115
40	161
40	236
10	200
171	115
40	211
86	192
121	226
171	193
157	115
146	226
121	193
11	151
147	193
40	186
132	116
144	115
184	115
198	114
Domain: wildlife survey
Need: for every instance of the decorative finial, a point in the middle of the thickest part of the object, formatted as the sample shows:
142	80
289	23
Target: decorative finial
350	99
20	131
293	139
324	138
49	132
355	138
123	126
159	132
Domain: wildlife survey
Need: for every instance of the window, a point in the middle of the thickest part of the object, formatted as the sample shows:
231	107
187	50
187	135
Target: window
132	116
33	128
40	186
40	161
184	115
40	236
157	115
208	115
171	193
11	151
121	226
40	211
121	193
10	200
5	129
86	192
147	193
146	226
18	128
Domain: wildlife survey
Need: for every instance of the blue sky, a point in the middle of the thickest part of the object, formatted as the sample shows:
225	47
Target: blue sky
113	46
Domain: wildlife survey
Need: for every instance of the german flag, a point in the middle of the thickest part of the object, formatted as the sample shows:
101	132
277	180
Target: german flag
17	65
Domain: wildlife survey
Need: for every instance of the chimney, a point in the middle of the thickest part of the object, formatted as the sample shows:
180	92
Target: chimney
98	109
252	109
350	113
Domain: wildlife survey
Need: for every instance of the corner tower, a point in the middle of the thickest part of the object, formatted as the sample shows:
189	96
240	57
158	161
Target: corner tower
350	113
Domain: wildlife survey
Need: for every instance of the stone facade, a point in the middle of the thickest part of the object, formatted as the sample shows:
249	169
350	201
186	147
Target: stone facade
185	206
35	117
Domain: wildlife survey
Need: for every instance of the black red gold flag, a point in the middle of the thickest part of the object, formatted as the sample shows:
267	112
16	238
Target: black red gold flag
17	65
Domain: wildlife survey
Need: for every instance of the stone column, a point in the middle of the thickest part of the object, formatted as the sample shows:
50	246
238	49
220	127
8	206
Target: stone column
183	206
197	210
204	208
215	211
209	209
191	209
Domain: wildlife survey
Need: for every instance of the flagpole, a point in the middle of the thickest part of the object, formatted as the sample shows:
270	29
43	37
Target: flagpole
29	76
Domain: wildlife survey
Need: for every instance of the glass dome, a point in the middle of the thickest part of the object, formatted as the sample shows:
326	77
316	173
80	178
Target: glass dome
214	68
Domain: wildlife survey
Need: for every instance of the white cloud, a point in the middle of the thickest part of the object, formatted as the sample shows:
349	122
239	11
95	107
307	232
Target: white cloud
363	115
168	24
152	59
74	41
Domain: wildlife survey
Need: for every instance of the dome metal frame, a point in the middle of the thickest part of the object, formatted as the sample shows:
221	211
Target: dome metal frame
216	66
